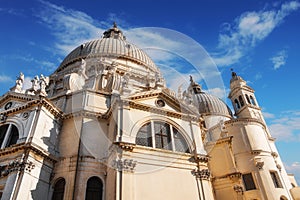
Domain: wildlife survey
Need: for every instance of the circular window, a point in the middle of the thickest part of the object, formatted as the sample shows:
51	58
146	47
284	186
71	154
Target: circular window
25	115
8	105
160	103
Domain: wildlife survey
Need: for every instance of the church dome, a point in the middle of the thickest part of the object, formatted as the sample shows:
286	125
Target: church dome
112	44
208	104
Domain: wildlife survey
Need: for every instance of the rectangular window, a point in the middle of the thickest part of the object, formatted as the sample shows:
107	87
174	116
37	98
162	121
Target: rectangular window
248	182
276	179
162	136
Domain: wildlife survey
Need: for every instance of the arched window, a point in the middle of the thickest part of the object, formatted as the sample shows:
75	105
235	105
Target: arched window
144	136
9	135
283	198
162	135
94	189
252	101
248	100
236	104
59	189
241	101
13	136
3	130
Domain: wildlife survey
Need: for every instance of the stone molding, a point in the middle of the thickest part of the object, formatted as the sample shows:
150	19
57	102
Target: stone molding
259	163
203	174
43	102
126	146
201	158
16	165
126	165
238	189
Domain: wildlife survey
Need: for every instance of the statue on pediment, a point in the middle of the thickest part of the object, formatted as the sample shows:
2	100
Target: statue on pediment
19	84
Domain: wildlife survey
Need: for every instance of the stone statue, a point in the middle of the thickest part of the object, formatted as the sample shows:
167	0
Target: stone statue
19	84
44	81
82	69
34	86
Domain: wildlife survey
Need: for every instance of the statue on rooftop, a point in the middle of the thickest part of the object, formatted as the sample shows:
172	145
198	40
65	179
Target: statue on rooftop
19	84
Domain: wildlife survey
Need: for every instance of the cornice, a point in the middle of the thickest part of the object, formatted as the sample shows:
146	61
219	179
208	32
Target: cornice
35	102
235	90
248	120
17	96
145	107
225	140
27	146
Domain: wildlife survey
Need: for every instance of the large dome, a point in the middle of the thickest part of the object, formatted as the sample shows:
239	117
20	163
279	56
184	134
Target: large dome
112	44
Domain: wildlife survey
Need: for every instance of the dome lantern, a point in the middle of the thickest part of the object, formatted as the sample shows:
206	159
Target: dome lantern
114	32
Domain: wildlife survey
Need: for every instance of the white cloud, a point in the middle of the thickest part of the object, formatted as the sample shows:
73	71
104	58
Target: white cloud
249	29
70	27
165	46
279	59
5	79
43	64
258	76
294	168
268	115
286	127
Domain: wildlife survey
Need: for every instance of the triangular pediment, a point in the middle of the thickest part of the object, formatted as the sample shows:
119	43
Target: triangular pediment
13	102
162	99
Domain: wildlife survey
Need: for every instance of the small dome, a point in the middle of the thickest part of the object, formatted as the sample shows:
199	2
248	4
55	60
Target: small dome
112	44
208	104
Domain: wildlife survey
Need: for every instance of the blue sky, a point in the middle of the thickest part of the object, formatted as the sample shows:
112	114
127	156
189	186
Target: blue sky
259	39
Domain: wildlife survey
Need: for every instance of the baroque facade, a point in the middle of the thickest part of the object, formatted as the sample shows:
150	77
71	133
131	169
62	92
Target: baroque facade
105	126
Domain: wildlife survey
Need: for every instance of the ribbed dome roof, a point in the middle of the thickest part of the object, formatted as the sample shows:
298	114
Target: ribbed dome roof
112	44
207	104
211	105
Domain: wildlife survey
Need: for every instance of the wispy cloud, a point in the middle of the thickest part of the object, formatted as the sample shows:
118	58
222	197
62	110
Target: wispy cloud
46	65
5	79
294	168
71	28
248	30
285	127
279	59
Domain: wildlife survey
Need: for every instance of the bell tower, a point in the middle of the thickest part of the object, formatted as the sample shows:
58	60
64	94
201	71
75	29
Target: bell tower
243	99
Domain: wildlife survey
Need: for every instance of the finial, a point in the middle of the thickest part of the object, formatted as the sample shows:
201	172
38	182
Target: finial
233	74
115	25
191	79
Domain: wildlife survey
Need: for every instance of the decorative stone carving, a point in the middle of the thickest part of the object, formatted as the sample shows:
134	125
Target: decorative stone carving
126	146
3	117
201	158
82	69
274	154
234	177
259	163
19	84
238	189
203	174
44	81
16	165
34	86
127	165
278	167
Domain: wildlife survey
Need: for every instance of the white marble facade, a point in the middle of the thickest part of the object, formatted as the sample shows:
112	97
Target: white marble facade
105	126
